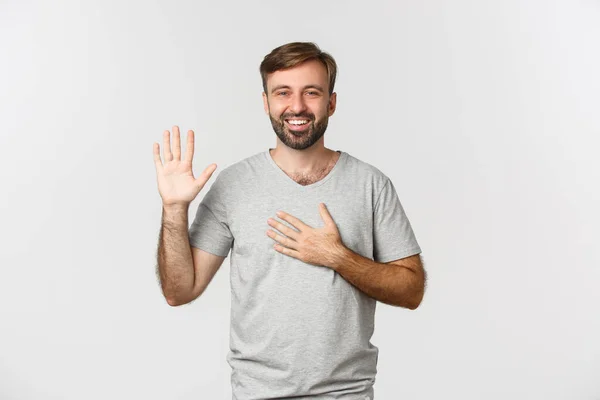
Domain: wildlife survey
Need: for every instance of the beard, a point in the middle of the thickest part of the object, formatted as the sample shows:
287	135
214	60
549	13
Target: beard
299	140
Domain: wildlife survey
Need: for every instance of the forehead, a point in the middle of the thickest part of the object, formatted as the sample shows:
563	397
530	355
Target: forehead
307	73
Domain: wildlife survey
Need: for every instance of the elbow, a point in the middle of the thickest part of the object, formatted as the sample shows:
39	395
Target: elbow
416	297
173	302
176	301
413	305
179	299
415	300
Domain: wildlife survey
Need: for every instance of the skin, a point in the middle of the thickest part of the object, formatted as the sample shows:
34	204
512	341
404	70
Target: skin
182	276
398	283
301	91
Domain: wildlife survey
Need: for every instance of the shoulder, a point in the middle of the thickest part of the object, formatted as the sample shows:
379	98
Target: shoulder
241	171
226	184
366	173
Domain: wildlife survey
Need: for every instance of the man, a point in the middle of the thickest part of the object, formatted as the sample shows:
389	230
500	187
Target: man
317	237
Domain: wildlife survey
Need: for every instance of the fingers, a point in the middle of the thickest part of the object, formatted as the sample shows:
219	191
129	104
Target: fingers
189	147
295	222
157	160
285	241
176	144
167	146
289	232
286	251
174	153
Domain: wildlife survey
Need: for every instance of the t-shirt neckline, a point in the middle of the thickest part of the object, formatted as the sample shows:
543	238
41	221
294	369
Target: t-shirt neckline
293	183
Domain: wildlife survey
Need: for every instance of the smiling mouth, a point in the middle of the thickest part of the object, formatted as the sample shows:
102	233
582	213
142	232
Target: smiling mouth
297	122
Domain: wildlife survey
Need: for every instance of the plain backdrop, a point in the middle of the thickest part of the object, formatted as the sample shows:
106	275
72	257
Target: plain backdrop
485	115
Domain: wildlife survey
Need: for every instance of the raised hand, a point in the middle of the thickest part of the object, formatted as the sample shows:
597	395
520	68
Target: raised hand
176	183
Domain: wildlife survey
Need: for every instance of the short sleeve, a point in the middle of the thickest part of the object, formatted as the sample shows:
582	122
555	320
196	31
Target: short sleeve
210	230
393	237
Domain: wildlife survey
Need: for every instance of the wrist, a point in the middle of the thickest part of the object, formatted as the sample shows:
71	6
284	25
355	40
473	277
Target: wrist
175	207
339	256
175	212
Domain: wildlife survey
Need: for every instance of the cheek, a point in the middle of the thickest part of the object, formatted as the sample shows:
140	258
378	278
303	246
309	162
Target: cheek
320	110
276	110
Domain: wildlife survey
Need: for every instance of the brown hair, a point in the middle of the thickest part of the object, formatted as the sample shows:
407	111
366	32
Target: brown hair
291	54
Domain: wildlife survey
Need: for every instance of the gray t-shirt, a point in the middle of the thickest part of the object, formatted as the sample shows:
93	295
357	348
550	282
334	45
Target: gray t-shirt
297	329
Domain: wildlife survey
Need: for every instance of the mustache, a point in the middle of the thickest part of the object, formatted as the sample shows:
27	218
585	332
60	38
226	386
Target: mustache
310	117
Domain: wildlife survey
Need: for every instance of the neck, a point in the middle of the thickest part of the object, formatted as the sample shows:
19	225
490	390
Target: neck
306	161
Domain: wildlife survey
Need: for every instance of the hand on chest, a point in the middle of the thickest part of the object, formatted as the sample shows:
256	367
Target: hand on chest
307	231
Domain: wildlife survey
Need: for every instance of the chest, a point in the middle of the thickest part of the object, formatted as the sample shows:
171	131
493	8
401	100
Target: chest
353	215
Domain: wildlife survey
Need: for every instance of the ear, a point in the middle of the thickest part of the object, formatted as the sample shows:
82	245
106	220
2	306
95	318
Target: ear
265	103
332	103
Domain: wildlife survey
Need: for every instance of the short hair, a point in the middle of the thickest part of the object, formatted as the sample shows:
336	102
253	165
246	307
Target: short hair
291	54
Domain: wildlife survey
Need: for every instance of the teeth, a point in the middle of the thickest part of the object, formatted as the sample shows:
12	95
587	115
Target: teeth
297	122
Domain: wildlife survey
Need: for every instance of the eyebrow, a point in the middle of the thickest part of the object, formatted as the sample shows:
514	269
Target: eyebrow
304	88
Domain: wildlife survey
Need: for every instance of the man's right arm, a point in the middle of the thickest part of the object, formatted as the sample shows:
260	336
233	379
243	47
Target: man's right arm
184	271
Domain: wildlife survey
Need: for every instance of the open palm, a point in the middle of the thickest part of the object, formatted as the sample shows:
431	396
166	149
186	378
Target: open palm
176	182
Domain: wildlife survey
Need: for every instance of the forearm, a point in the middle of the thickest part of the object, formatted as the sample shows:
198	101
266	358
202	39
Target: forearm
175	262
389	283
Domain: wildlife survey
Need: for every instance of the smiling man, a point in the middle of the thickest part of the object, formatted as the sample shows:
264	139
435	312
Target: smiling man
317	237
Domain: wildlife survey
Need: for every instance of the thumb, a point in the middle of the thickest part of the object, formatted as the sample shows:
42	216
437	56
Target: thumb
325	215
205	175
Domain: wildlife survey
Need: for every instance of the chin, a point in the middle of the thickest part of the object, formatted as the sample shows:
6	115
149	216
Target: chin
302	142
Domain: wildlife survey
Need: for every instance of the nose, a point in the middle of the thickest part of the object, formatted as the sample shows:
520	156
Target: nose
297	104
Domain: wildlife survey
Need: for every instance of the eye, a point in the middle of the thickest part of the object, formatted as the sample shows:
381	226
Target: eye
282	93
312	93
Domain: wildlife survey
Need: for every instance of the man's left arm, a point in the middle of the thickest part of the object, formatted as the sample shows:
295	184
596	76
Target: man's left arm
398	283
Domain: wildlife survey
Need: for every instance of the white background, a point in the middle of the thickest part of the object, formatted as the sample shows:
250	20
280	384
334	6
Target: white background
483	113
